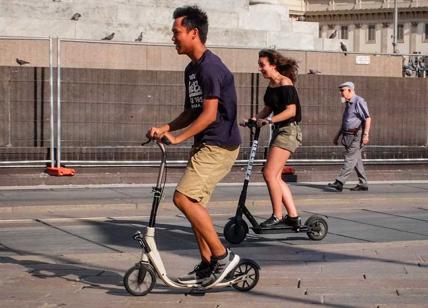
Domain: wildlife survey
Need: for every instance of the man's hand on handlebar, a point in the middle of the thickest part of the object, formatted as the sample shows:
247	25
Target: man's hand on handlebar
155	133
168	139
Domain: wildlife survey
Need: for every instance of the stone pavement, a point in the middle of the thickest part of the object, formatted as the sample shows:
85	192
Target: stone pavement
70	246
347	275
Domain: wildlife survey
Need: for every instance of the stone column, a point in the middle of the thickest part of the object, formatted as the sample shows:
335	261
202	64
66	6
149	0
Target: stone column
356	35
324	31
384	38
413	36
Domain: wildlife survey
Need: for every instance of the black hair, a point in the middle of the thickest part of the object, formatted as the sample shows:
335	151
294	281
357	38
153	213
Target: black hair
194	18
285	66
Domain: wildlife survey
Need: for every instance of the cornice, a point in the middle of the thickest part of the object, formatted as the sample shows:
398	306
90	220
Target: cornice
380	15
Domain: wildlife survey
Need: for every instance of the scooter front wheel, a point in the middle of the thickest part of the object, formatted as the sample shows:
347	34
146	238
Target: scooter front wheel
235	230
140	279
317	228
248	273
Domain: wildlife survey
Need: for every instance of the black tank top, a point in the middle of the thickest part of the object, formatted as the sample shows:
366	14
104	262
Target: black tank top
278	98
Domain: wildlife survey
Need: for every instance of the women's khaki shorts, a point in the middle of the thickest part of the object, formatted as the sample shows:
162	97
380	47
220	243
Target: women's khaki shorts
287	137
207	166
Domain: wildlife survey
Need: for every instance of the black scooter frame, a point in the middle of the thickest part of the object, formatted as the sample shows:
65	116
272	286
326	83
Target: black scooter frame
242	210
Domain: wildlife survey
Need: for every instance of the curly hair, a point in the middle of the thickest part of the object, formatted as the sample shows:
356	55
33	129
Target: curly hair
194	18
286	66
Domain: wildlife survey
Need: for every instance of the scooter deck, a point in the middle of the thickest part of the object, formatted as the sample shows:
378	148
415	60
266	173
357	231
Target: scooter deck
280	229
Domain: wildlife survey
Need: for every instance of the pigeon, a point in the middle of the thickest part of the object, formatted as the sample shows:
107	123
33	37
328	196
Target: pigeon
333	35
343	47
76	16
109	37
139	38
314	71
21	62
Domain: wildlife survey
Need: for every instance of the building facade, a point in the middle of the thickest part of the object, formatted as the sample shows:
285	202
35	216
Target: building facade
368	25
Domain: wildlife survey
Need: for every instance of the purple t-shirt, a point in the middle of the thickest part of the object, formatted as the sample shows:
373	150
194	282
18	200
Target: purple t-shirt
210	78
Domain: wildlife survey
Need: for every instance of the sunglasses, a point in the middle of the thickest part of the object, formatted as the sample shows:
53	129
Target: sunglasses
342	90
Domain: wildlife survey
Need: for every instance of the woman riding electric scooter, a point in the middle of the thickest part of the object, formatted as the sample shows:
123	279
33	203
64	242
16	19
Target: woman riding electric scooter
282	100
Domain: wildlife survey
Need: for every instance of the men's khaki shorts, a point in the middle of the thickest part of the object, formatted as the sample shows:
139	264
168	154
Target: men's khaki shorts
207	166
287	137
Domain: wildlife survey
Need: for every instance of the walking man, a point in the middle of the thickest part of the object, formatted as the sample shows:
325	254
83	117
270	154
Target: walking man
354	130
209	115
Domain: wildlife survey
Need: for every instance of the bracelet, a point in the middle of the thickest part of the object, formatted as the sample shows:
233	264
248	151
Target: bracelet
269	119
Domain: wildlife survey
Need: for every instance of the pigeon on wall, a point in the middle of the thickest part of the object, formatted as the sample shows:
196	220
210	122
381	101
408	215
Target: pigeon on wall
21	62
139	38
76	16
343	47
333	35
108	37
314	71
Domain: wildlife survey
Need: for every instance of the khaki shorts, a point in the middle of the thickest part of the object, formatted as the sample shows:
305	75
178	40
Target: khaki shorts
287	137
207	166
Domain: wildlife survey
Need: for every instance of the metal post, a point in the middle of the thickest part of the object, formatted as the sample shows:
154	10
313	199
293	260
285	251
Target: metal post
58	119
394	42
51	84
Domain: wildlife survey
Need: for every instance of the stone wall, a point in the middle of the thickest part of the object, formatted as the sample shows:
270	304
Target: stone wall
105	113
237	23
132	56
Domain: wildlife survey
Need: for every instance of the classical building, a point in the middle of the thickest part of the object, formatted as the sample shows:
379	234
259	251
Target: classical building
367	25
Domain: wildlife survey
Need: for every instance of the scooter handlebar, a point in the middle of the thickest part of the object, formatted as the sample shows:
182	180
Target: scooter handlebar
252	123
163	140
248	123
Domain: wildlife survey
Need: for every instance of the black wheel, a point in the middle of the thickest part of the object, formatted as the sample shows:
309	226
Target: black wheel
140	279
235	230
249	271
318	228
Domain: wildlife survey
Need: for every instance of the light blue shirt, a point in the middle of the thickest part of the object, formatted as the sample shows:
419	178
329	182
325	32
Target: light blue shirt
356	112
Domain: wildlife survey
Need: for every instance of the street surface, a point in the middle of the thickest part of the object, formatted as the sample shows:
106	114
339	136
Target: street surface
70	246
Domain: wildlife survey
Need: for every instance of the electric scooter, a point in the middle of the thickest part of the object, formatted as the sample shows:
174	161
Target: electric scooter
236	229
140	279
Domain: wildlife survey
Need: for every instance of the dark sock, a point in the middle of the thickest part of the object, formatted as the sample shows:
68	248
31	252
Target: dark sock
223	256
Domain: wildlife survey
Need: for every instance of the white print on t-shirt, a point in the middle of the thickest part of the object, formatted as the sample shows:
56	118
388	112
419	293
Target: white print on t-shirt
195	92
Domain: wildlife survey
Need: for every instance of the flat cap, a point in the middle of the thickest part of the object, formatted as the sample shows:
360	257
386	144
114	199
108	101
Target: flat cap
348	84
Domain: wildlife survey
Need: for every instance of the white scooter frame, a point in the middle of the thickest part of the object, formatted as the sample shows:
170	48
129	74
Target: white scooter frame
140	279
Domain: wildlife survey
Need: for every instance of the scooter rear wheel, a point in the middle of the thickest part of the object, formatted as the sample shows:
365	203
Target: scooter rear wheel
140	279
318	228
235	230
250	270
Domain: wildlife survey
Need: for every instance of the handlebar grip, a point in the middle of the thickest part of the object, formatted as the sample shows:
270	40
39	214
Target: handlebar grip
165	140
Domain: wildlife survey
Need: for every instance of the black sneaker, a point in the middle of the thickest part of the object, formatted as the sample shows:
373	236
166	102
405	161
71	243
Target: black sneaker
199	273
220	268
338	186
270	222
292	221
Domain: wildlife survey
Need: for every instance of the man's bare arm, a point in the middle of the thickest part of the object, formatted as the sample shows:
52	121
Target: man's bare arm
205	119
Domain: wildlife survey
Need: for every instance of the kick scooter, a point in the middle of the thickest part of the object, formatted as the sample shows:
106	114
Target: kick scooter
140	279
236	229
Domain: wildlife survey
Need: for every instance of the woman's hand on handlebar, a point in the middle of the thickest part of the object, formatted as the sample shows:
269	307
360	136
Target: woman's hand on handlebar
263	122
248	122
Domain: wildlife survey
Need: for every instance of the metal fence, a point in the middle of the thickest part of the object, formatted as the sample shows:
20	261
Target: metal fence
27	104
100	116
